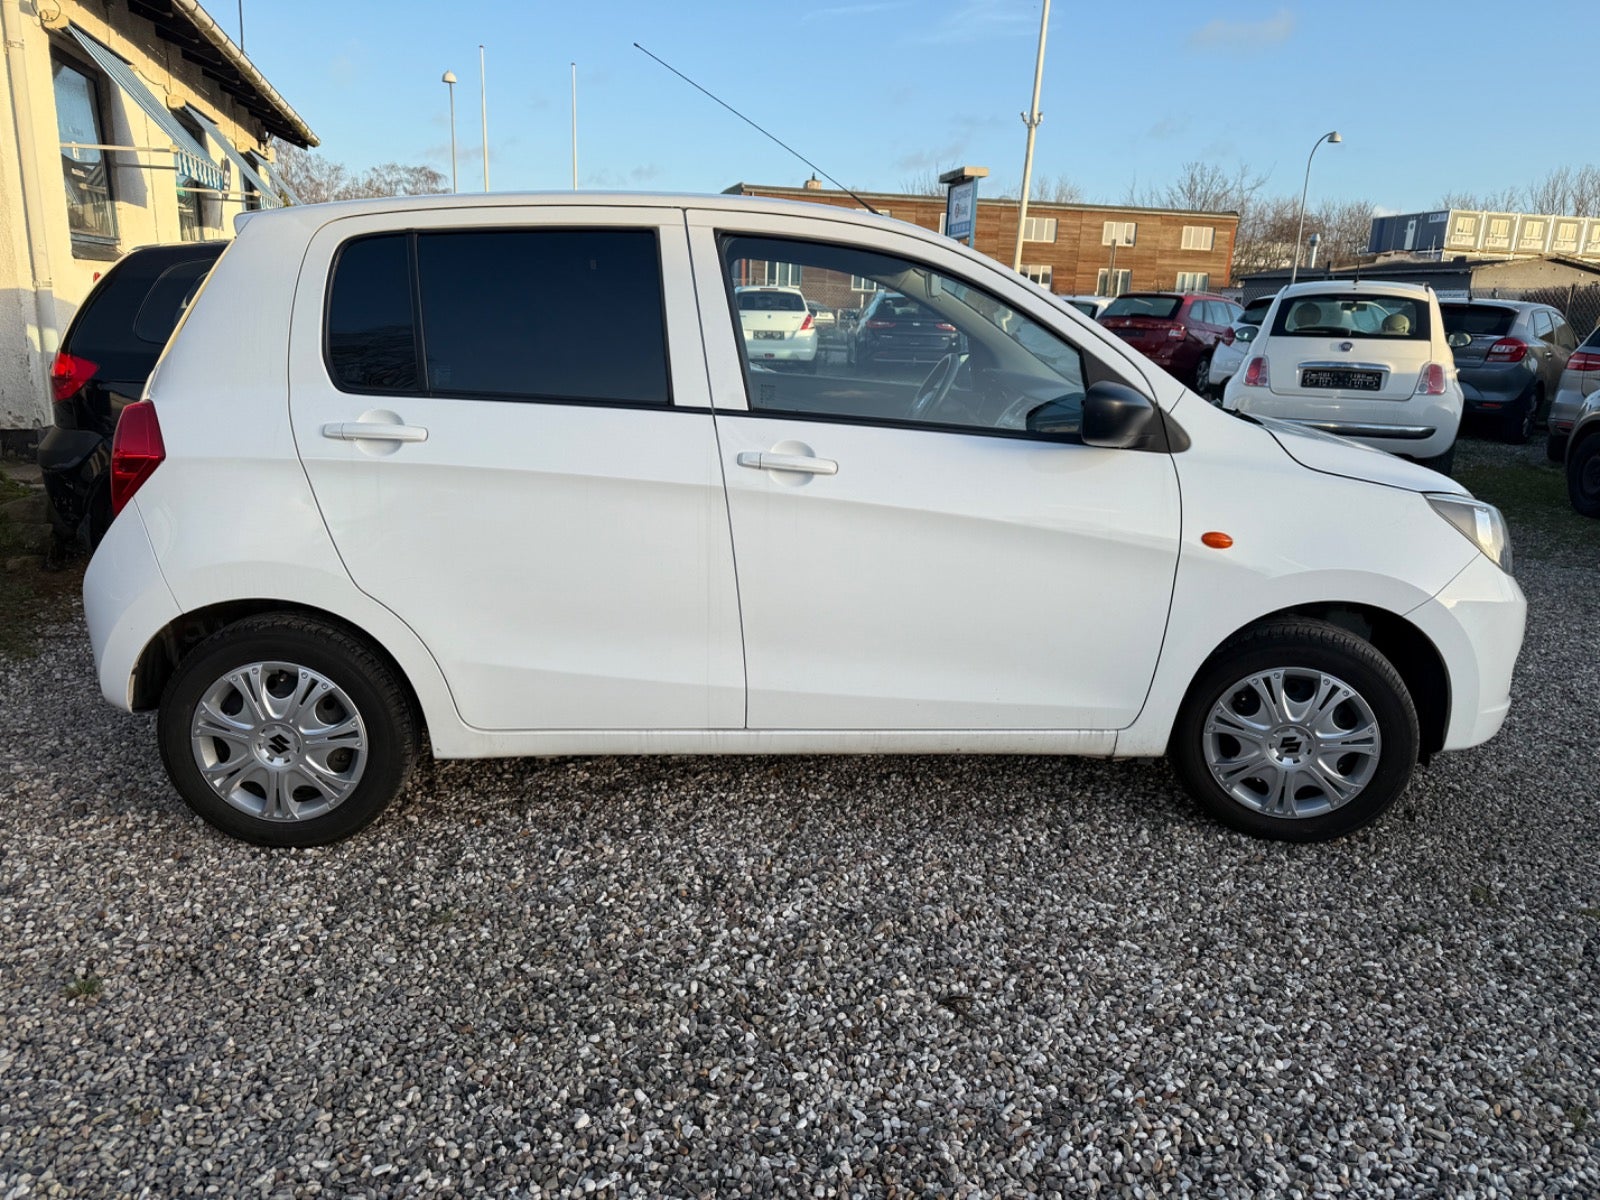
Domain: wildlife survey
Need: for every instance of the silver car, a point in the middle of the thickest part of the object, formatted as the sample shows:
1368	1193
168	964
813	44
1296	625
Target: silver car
1510	362
1580	381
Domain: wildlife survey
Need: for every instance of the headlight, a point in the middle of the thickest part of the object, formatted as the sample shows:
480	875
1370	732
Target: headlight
1480	523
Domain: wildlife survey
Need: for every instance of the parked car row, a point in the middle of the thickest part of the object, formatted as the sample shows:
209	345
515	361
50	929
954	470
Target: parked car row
673	548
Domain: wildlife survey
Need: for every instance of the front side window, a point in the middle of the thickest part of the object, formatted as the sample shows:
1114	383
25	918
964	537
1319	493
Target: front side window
1387	317
930	350
91	216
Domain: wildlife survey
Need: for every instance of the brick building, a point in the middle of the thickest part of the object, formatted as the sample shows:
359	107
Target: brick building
1072	249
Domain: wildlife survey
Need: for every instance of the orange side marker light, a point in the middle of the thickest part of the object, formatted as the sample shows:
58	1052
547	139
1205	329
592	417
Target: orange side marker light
1216	540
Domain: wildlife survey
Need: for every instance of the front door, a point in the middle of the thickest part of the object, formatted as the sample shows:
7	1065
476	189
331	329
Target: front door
504	421
909	556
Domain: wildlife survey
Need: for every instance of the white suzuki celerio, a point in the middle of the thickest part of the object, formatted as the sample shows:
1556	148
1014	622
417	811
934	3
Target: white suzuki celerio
382	484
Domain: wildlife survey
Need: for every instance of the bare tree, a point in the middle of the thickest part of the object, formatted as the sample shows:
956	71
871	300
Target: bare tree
1057	190
1345	227
1206	187
924	183
316	179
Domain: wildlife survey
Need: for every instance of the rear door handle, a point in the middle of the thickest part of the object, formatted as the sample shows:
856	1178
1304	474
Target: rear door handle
766	460
374	431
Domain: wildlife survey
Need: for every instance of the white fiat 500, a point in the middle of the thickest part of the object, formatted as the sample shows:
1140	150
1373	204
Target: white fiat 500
778	324
1366	360
380	487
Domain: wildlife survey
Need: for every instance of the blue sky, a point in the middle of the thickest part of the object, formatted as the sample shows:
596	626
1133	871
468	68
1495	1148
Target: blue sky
1428	97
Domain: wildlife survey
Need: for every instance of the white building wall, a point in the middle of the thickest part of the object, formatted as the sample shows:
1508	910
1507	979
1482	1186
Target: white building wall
144	185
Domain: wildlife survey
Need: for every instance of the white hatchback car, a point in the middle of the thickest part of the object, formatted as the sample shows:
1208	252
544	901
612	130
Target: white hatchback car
468	508
779	327
1366	360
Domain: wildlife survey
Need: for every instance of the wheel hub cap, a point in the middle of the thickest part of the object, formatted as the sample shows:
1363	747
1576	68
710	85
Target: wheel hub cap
279	741
1292	742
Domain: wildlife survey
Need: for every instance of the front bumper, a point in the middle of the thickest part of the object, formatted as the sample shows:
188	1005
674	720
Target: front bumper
1476	622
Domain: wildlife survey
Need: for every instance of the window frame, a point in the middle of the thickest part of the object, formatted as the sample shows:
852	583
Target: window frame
1204	284
1031	271
1037	223
1111	233
1191	239
97	245
1094	365
424	388
1105	277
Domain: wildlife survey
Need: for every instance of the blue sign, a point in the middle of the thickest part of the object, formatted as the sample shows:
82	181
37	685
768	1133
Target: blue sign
961	211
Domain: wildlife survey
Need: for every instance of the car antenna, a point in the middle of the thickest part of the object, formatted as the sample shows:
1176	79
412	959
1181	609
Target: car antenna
758	129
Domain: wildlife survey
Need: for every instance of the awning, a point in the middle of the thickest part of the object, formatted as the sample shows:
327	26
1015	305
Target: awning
269	198
284	189
192	160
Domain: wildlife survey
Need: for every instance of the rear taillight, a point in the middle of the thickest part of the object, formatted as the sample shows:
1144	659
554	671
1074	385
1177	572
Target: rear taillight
1507	350
1227	336
1583	360
880	324
136	451
1257	373
1176	331
1431	381
806	324
68	373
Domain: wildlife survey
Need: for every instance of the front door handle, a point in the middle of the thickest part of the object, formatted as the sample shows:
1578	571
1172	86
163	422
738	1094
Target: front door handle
373	431
766	460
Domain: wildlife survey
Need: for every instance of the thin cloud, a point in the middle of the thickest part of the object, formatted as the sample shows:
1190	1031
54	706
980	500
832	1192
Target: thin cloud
975	19
1169	127
1244	37
853	10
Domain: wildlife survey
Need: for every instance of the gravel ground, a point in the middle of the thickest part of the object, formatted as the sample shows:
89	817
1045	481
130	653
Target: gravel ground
811	976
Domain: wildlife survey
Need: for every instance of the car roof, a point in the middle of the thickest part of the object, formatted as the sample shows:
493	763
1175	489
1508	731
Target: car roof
1513	305
768	287
1371	287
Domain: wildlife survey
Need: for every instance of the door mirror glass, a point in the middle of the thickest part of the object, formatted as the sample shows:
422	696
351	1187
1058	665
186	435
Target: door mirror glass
1057	418
1245	333
1458	339
1115	417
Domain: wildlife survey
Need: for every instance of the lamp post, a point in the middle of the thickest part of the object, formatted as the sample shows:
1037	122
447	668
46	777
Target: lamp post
483	101
449	80
1031	119
1300	231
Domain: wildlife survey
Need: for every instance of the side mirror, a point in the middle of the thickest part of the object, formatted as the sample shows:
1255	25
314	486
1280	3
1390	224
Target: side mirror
1458	339
1061	418
1115	417
1245	333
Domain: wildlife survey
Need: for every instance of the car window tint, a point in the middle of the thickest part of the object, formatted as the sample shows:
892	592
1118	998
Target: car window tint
930	349
1543	328
371	345
1477	320
1162	307
1564	335
558	314
176	286
761	300
1347	315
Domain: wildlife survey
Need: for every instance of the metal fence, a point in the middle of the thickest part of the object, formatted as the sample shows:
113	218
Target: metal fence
1580	304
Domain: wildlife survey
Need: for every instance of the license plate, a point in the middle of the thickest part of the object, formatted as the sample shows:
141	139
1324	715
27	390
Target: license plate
769	333
1355	381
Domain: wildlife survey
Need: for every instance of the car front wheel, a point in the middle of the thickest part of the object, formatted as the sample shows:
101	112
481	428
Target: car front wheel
1296	730
1583	476
286	731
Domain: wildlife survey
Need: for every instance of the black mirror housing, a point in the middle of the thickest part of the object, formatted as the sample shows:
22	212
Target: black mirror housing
1115	417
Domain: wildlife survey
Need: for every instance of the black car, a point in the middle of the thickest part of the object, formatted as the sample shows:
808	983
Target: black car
106	355
895	329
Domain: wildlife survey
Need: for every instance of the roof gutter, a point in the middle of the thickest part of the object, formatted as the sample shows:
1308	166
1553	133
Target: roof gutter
214	34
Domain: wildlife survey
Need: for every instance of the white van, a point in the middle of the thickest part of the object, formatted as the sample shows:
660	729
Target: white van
379	485
1366	360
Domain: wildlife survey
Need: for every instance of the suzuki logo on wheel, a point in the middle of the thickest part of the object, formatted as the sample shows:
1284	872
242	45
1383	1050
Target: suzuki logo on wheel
278	744
1290	745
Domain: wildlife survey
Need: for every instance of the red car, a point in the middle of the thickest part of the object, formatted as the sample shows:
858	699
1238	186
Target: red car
1176	330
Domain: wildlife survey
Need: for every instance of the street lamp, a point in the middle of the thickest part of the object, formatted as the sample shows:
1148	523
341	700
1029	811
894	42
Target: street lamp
1300	232
449	80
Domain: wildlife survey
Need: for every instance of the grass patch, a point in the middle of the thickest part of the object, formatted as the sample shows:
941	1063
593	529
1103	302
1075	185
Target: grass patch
30	597
1532	492
85	987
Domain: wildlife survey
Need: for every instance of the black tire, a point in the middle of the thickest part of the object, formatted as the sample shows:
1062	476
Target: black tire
1518	421
1299	645
1583	476
342	658
1442	463
1555	448
1202	376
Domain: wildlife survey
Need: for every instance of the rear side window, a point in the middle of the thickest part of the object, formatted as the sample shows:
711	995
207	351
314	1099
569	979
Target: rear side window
1477	320
371	329
158	315
1256	311
1388	318
556	314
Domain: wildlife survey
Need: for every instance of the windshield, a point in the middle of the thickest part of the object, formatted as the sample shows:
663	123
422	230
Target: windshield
1479	320
1160	307
1393	318
771	302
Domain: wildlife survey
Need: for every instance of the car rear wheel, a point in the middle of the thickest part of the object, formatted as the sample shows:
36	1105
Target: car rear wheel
1442	463
1519	420
1296	730
1202	376
1583	476
1555	448
286	731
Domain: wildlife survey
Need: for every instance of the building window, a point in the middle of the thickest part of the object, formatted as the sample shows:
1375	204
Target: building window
1040	274
1499	235
91	215
776	274
1566	237
199	205
859	283
1532	234
1118	233
941	221
1193	281
1039	229
1112	283
1198	237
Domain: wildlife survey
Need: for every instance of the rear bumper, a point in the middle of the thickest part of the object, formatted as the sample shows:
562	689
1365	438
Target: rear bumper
1476	622
1564	410
796	349
73	464
126	602
1493	388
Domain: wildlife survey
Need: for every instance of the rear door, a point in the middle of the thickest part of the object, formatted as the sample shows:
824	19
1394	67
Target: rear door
505	423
